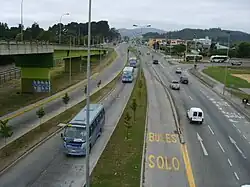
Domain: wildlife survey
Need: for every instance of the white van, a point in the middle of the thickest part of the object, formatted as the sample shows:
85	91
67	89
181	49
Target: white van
195	115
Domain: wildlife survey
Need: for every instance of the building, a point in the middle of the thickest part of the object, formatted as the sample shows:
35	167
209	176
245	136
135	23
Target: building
206	42
218	46
165	41
177	41
153	40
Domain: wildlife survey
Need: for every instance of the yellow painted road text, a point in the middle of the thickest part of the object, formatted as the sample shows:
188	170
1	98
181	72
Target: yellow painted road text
164	163
164	138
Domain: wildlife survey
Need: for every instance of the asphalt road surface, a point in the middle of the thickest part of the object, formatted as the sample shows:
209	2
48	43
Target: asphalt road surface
25	121
164	164
48	166
219	149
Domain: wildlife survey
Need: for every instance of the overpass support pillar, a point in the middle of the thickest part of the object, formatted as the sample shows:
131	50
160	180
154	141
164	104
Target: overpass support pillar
35	80
75	65
35	72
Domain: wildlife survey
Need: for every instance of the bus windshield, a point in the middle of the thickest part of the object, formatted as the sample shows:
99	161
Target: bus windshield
75	132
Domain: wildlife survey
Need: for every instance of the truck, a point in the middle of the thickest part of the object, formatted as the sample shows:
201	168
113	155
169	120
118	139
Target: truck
128	74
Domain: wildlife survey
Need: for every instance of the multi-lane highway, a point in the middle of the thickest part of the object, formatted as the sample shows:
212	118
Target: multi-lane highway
48	166
219	149
21	124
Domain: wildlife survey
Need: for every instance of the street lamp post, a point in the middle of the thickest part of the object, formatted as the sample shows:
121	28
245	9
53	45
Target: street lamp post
60	26
21	20
195	43
88	99
70	71
226	69
141	27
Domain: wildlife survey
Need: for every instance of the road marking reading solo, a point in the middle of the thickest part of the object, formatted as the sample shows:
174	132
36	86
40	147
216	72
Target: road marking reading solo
165	138
211	129
164	163
221	147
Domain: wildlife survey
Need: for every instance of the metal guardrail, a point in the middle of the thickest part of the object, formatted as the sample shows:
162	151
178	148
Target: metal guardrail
9	74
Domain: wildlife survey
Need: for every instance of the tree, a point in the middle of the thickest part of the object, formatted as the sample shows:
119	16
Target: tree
66	100
134	107
179	49
5	130
244	50
40	113
127	123
99	31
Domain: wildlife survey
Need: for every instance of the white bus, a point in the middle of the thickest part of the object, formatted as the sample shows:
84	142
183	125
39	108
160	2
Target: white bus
194	57
74	135
219	58
128	74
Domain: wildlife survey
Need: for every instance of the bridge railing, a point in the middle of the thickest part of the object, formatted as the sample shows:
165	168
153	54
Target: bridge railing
12	48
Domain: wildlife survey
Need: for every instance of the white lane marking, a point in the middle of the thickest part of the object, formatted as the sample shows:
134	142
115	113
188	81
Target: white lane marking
221	147
202	146
238	149
238	130
230	163
244	136
236	176
211	129
190	97
234	125
161	65
233	121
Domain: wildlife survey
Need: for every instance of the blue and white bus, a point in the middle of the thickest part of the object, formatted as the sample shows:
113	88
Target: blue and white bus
133	62
128	74
74	135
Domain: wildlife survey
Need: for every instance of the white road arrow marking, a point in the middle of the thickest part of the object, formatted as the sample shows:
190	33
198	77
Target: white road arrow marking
202	146
238	149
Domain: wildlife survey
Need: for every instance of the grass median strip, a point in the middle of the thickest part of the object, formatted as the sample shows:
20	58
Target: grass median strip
120	163
12	100
17	148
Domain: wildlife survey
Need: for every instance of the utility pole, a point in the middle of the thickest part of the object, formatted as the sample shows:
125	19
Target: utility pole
88	99
21	20
70	60
226	68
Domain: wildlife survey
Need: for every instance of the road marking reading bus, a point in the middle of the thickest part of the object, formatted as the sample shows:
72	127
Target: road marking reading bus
165	138
164	163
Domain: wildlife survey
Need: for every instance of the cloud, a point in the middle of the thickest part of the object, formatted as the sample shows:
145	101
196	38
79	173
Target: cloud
168	15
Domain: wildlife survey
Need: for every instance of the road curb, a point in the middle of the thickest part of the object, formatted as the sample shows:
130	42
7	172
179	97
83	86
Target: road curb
119	117
143	160
175	115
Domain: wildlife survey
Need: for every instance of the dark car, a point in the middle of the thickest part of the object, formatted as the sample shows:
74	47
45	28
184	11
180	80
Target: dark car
236	63
155	62
184	80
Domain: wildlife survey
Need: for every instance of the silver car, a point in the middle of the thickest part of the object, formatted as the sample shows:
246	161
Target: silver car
178	70
175	85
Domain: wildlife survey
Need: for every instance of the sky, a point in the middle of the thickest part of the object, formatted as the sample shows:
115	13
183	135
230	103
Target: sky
161	14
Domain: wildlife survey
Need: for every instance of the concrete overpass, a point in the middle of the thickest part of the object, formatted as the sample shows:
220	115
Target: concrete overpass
16	48
37	58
